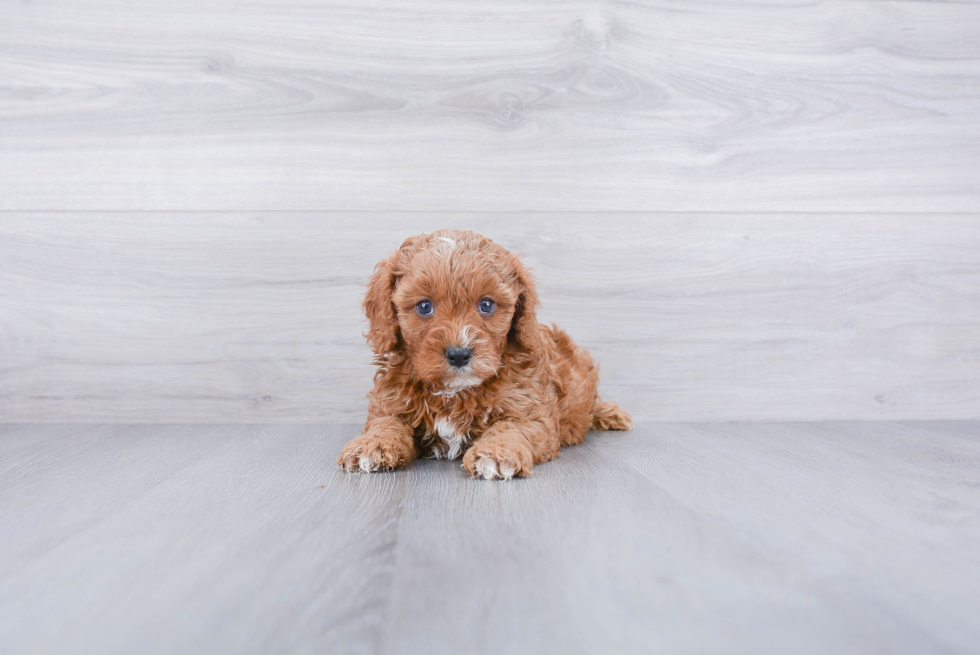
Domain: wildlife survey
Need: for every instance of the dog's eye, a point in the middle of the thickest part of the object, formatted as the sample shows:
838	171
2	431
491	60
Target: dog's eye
487	306
424	307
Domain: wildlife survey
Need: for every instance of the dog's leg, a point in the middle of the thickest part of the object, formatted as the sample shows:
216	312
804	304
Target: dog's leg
609	416
510	448
387	443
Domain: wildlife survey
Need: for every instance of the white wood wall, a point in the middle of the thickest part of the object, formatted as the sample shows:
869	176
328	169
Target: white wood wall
746	211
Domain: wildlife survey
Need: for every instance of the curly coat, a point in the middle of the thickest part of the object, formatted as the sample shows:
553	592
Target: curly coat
525	391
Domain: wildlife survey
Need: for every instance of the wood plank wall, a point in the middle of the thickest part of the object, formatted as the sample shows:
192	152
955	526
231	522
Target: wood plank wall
747	211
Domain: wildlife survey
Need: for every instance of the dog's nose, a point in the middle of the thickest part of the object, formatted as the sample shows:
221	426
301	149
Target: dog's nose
458	357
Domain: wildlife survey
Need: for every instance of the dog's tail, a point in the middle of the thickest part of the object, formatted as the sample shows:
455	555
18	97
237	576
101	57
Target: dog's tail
608	416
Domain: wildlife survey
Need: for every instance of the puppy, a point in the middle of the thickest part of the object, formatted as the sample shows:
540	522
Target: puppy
464	368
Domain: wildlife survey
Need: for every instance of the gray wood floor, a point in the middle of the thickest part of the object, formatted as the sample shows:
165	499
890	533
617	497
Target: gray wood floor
855	537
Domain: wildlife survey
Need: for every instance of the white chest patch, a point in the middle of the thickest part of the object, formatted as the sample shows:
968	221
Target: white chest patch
450	443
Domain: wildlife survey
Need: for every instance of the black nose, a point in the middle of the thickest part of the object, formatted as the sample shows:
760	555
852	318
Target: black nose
458	357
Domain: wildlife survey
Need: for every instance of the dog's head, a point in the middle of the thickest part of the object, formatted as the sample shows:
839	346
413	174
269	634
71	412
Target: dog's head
453	302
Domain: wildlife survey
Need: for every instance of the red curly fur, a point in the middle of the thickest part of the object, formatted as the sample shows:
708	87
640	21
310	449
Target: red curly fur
526	391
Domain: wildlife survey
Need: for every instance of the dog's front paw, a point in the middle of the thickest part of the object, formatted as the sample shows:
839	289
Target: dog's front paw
498	459
370	452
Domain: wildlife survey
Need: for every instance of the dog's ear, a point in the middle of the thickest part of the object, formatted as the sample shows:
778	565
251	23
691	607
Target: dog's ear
524	329
382	334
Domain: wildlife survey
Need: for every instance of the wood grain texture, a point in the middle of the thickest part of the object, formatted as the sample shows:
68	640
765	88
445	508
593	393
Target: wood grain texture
190	539
239	317
706	538
843	105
